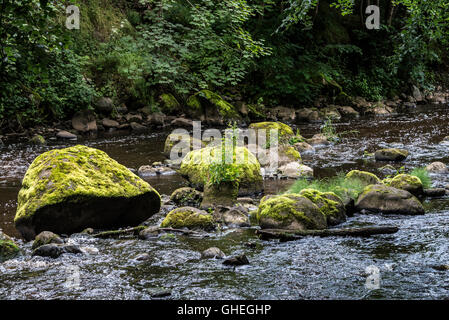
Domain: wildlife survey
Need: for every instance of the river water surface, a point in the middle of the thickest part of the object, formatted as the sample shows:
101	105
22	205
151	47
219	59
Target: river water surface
311	268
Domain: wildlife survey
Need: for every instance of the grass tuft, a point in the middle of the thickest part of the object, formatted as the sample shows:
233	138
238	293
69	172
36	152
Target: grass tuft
423	175
339	185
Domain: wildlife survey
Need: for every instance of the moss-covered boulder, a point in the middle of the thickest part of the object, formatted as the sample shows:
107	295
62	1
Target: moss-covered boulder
331	206
290	211
181	142
169	104
392	154
196	168
46	237
285	132
380	198
68	190
8	248
207	104
38	140
406	182
364	177
190	218
187	197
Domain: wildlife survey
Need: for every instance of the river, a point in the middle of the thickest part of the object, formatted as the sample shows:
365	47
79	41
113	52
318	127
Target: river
311	268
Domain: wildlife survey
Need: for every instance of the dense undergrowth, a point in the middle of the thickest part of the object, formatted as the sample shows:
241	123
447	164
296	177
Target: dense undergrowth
265	51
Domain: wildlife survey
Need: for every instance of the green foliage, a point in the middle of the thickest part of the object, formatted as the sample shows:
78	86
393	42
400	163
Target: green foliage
226	170
183	47
41	80
423	175
339	185
329	131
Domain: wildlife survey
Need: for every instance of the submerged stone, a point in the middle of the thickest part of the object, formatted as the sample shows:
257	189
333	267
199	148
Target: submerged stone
393	154
68	190
55	250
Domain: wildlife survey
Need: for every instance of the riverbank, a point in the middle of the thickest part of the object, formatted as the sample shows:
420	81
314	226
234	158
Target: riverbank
106	118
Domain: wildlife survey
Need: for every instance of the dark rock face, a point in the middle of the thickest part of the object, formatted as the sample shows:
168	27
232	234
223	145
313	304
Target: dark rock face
236	261
55	250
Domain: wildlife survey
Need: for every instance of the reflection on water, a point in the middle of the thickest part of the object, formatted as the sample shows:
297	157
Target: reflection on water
311	268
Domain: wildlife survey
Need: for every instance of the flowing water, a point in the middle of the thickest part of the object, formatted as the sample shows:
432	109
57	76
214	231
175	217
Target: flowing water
311	268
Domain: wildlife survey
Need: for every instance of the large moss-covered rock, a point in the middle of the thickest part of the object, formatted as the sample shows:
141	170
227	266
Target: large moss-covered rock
392	154
290	211
181	142
388	200
331	206
364	177
406	182
285	132
188	217
68	190
195	166
8	248
210	105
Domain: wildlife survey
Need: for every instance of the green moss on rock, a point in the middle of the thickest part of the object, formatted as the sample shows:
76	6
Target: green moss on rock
392	154
188	217
330	205
365	177
290	211
388	200
195	166
406	182
169	104
68	190
8	248
187	197
285	132
206	99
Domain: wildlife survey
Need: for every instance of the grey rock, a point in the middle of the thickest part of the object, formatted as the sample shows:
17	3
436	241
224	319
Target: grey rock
66	135
212	253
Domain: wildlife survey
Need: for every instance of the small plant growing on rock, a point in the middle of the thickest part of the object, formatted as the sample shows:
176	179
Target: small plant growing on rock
223	171
423	175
